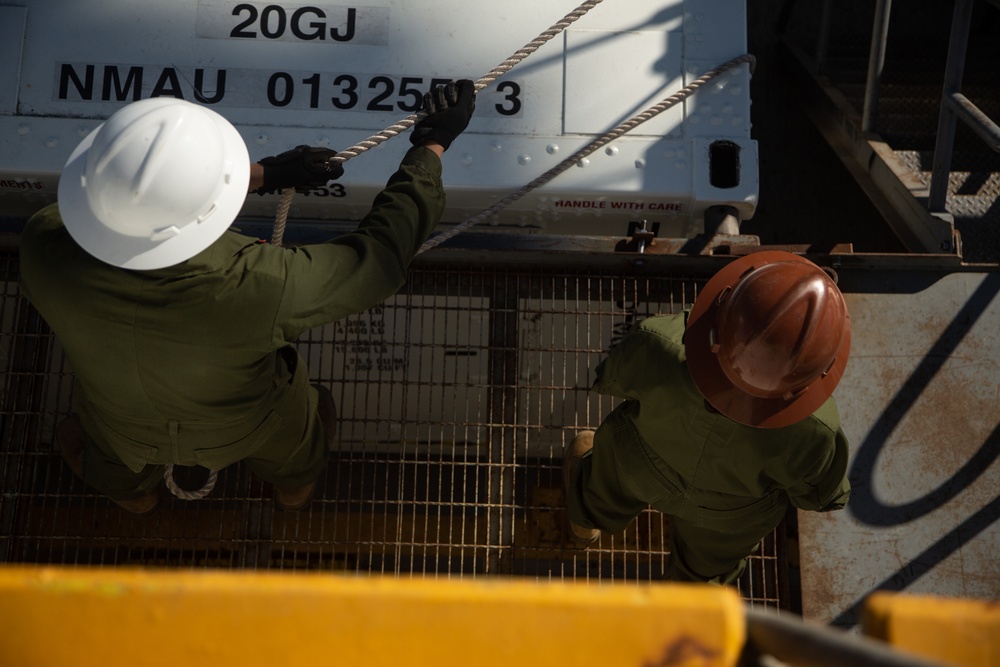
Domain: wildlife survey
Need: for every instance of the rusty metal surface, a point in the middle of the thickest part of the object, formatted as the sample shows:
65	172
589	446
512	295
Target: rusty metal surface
456	397
919	403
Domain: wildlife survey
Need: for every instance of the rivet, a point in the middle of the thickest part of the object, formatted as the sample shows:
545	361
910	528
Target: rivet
23	129
465	159
524	159
611	150
583	162
640	164
262	139
552	149
52	142
496	147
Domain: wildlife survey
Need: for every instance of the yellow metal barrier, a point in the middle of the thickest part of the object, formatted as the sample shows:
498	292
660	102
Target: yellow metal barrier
54	617
959	632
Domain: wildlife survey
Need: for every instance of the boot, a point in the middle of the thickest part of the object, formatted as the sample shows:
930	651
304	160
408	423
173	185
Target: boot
580	445
292	500
70	441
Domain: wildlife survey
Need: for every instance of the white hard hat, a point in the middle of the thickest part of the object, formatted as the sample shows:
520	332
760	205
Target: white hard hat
155	184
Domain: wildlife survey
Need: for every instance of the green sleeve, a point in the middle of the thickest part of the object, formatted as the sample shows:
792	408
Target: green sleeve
328	281
614	373
644	359
825	487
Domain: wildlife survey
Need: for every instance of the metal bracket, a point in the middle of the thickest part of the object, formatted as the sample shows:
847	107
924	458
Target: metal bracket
640	236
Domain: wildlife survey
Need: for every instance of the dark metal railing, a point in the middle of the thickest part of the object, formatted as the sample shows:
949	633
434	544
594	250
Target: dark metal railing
955	106
876	62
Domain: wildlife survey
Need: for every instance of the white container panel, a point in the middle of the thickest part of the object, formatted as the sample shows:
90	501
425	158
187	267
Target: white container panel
288	73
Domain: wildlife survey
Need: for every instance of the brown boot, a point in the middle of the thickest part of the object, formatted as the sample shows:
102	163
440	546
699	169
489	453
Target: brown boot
70	441
580	445
292	500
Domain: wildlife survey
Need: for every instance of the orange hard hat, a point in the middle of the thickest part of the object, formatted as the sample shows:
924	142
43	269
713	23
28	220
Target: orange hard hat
768	339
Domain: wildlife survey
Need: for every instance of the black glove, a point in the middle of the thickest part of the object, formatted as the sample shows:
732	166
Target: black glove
302	168
449	108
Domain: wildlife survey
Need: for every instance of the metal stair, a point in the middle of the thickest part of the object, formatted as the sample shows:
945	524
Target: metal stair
908	104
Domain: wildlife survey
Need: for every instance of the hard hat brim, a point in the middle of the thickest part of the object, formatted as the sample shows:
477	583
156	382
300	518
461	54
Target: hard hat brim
138	253
710	378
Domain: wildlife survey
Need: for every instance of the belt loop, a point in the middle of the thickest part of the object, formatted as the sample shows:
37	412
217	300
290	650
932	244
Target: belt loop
173	429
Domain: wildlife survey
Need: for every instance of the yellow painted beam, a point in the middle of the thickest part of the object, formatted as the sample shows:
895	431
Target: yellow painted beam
54	617
959	632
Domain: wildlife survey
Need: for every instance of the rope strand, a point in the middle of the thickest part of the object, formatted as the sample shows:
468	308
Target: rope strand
601	141
395	129
285	203
168	477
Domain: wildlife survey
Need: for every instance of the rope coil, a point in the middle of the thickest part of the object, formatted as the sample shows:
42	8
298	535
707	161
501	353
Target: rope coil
168	477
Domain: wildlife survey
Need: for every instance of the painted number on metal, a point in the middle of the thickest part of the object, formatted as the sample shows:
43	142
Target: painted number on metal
292	22
237	87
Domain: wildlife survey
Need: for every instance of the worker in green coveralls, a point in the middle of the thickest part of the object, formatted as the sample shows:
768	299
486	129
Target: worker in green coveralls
179	331
728	416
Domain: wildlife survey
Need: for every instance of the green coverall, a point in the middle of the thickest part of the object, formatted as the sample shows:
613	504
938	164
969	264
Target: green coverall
194	364
725	485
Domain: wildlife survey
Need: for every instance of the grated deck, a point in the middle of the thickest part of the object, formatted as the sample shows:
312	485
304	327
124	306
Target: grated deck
456	397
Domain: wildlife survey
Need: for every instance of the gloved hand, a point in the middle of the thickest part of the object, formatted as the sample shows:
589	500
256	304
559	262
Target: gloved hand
449	109
302	168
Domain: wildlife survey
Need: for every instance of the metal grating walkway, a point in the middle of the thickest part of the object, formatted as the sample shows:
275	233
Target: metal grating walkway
455	396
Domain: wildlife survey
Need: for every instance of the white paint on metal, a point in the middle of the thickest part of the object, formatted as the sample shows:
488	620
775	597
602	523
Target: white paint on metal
289	73
414	354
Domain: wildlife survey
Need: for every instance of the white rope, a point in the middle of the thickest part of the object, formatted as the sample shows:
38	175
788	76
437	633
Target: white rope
601	141
168	477
404	124
281	217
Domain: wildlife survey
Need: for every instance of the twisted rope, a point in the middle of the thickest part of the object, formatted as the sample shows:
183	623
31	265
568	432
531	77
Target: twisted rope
395	129
284	205
281	216
601	141
168	477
